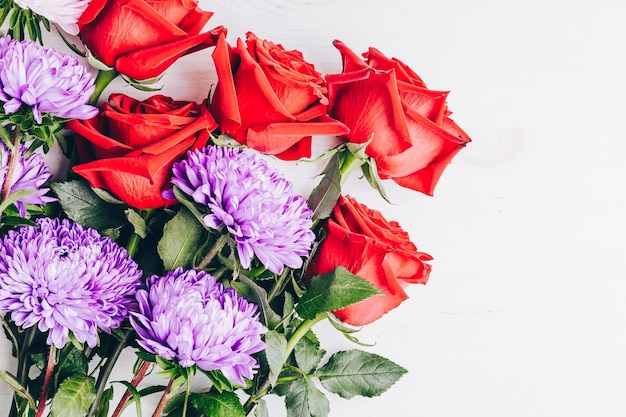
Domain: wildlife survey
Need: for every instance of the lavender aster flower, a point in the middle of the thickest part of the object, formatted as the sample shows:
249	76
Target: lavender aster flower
189	317
252	200
65	278
44	80
30	173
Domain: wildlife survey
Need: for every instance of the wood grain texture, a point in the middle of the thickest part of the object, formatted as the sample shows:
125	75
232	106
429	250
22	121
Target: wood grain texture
524	315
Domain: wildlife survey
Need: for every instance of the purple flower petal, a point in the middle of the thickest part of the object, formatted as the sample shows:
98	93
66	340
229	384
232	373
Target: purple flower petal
253	201
45	80
65	278
189	317
30	173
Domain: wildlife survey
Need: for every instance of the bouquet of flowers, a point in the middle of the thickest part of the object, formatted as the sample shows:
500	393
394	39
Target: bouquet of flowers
172	235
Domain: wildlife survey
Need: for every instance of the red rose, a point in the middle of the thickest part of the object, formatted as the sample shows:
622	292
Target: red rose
142	38
412	137
270	99
365	243
130	147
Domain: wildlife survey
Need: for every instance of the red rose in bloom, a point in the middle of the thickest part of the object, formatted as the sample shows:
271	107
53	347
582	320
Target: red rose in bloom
365	243
270	99
142	38
130	147
382	99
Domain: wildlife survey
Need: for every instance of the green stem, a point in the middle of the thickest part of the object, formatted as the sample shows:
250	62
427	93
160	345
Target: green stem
278	286
349	162
187	392
287	379
133	244
23	362
299	333
217	247
103	79
29	337
164	399
134	240
141	373
105	372
10	334
301	330
46	381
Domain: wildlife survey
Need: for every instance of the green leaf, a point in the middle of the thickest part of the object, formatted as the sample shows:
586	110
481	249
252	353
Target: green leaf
347	330
143	85
359	149
136	396
341	326
105	401
186	201
226	140
13	197
152	389
106	196
4	12
182	236
304	400
275	347
82	205
308	355
74	397
96	63
371	175
324	196
333	291
354	372
257	295
225	404
15	385
174	407
260	410
219	381
69	44
289	304
138	222
17	221
71	361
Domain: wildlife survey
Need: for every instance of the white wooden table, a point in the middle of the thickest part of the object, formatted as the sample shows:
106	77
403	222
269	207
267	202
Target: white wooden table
525	311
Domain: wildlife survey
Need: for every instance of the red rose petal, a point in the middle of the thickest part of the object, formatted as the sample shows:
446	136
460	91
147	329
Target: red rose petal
150	62
276	138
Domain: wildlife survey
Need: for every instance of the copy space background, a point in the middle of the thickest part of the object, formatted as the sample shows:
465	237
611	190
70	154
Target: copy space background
524	313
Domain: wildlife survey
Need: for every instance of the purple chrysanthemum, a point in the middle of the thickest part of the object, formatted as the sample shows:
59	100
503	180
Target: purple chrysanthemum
189	317
30	173
45	80
252	200
66	278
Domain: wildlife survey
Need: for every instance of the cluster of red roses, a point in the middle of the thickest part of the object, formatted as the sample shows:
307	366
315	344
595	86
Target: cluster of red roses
271	100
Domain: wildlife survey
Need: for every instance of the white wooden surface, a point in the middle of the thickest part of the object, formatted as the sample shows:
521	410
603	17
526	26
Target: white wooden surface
524	315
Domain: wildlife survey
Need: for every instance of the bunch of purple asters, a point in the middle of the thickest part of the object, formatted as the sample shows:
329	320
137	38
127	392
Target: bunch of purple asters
44	80
65	278
188	317
253	201
29	174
